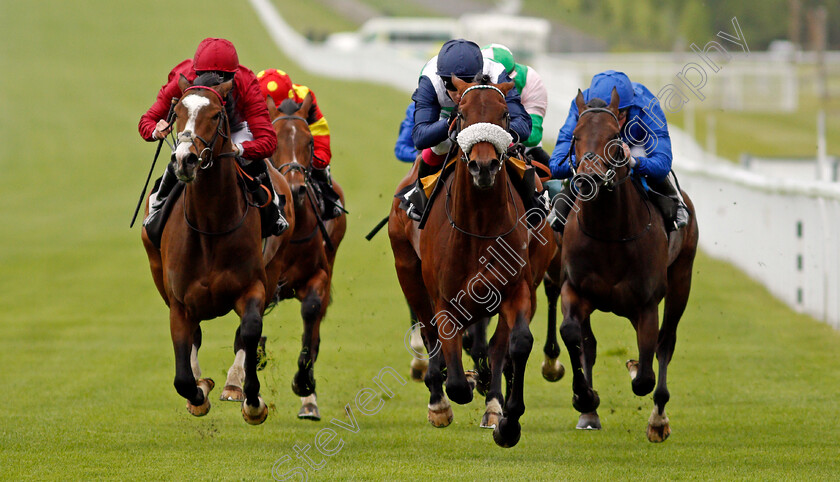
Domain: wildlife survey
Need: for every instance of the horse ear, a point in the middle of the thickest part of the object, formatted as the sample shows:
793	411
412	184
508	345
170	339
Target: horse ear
305	106
581	104
183	83
225	87
460	85
269	102
505	88
614	100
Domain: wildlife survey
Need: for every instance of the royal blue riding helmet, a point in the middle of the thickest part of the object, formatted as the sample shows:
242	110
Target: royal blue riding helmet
602	86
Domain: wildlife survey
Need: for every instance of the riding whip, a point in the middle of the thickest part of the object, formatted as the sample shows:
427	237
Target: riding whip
154	161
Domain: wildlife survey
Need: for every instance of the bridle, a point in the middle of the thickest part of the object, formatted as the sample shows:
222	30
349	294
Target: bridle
209	146
607	180
502	157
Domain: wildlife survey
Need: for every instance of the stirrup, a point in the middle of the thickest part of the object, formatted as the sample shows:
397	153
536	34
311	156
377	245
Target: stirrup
416	199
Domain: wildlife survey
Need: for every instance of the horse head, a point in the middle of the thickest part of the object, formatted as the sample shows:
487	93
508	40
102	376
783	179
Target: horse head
482	122
201	121
293	156
598	145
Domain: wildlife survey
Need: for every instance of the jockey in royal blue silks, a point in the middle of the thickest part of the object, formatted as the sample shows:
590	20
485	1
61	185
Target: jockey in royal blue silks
433	107
404	149
644	132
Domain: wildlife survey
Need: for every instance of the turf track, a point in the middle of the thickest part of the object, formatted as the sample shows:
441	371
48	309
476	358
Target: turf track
85	355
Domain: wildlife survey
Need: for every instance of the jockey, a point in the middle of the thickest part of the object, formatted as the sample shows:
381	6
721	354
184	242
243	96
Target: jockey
433	107
645	137
534	96
277	84
404	149
252	136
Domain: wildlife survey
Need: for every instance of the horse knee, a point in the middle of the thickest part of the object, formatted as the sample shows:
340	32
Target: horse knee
251	328
570	332
310	308
521	342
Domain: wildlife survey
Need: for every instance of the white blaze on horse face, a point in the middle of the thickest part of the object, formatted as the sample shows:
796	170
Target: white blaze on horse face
294	154
194	104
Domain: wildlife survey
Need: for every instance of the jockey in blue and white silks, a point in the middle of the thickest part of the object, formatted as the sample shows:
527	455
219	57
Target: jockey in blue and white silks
644	131
433	108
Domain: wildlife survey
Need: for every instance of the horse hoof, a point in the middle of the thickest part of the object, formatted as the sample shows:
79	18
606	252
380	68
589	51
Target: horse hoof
659	427
492	414
472	378
309	409
232	394
589	421
418	369
440	414
552	369
255	415
262	359
632	368
586	406
205	385
507	433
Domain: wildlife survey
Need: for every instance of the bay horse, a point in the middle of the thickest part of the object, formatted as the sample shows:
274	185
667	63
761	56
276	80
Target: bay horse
211	259
307	261
477	256
617	257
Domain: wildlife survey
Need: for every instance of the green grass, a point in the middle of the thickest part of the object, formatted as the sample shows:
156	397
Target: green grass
86	358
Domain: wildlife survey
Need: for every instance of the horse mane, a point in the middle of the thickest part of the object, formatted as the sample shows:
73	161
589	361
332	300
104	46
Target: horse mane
212	79
289	107
596	102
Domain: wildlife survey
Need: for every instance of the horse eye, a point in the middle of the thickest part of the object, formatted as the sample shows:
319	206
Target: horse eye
216	117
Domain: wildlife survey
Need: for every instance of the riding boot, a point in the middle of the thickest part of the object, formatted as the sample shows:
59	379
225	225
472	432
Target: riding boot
158	197
332	207
416	197
271	213
563	199
668	187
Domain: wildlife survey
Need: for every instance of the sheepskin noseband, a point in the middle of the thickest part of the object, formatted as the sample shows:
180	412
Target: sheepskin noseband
484	132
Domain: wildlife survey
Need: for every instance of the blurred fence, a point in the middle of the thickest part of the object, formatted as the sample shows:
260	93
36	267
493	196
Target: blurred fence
782	233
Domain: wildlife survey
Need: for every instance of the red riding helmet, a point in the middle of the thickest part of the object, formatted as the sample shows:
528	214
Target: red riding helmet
215	54
275	83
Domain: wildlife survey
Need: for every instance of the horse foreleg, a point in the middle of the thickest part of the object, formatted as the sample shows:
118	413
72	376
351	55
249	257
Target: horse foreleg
458	388
416	345
183	332
440	411
477	334
575	310
232	391
250	308
494	400
647	333
313	307
676	298
516	312
552	369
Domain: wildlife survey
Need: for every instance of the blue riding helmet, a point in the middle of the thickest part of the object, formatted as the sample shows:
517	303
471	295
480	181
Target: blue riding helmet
460	58
603	83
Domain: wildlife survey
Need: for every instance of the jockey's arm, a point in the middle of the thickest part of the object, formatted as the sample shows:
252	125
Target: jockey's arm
641	131
535	101
520	121
429	129
404	148
560	168
320	130
255	112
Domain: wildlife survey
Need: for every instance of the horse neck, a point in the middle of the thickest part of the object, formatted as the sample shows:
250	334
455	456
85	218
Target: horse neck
481	211
613	214
214	201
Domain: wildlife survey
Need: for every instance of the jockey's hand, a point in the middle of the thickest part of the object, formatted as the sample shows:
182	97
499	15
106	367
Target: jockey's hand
631	161
162	129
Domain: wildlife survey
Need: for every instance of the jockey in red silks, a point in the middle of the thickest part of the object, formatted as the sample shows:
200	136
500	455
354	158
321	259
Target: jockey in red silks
252	136
278	85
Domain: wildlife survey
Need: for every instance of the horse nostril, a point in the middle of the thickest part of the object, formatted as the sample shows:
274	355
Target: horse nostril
173	158
495	164
301	192
191	159
473	167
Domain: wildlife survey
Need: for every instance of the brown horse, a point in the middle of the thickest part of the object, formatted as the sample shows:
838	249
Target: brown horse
480	256
307	261
211	259
617	257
